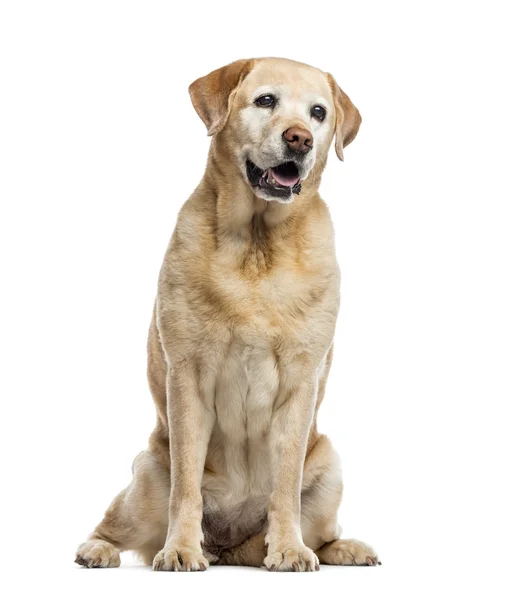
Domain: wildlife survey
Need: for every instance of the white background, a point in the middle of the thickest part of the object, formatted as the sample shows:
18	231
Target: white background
99	148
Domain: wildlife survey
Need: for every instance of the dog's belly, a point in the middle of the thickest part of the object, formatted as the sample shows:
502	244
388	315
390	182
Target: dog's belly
224	529
237	480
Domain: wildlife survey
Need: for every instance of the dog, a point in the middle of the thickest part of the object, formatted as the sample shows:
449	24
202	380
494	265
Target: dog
241	340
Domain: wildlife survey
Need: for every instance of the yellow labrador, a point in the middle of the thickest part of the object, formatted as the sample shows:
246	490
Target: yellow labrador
241	341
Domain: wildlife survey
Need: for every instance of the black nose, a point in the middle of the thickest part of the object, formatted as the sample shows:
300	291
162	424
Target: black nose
298	139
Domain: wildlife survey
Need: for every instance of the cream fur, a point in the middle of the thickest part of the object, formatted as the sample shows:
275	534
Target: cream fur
240	348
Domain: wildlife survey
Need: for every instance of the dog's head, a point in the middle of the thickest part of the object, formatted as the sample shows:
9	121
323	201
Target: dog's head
276	118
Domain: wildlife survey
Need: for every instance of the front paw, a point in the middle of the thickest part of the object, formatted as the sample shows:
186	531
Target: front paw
296	558
172	558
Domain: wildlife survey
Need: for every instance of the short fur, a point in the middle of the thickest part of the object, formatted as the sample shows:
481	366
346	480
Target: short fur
239	351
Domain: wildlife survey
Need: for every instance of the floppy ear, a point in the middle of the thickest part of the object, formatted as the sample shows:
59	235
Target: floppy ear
348	118
212	95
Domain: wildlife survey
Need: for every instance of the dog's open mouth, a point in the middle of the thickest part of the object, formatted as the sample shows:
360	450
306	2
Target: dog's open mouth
280	181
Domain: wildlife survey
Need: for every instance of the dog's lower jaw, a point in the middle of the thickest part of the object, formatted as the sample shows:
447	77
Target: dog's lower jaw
263	195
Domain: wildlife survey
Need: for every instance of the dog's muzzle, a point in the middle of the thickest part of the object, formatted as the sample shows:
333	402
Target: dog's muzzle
280	182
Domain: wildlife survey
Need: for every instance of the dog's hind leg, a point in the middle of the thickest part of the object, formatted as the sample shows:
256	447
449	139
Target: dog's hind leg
320	500
138	517
136	520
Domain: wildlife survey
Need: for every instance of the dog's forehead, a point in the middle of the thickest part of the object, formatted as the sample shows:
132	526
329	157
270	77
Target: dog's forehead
294	78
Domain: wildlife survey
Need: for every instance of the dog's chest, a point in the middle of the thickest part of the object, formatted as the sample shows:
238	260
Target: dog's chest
272	322
246	386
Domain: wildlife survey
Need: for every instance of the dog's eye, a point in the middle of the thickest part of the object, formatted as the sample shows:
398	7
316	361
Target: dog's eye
266	100
319	112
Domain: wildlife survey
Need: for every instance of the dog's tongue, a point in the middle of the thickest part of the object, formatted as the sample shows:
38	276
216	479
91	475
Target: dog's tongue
285	180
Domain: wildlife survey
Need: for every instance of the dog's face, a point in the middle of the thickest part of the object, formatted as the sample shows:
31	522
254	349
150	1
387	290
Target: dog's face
277	119
284	113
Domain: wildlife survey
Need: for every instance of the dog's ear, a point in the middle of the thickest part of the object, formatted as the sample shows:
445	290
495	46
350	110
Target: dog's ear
212	95
348	118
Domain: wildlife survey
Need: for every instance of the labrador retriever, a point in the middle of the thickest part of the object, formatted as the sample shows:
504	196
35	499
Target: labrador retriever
241	342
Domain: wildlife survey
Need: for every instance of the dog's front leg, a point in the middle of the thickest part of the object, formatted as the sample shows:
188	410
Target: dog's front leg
190	425
288	440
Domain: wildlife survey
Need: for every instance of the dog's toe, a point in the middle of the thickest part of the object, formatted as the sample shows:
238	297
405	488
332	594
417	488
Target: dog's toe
97	554
348	552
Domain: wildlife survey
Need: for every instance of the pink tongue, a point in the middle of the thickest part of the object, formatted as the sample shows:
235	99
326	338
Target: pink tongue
286	180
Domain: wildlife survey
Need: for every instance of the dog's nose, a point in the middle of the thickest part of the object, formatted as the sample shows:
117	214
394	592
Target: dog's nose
298	139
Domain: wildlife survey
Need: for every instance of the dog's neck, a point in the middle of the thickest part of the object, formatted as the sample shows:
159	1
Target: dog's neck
238	210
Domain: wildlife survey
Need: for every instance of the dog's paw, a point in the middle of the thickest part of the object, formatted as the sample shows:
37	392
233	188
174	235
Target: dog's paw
97	553
297	558
348	552
180	559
